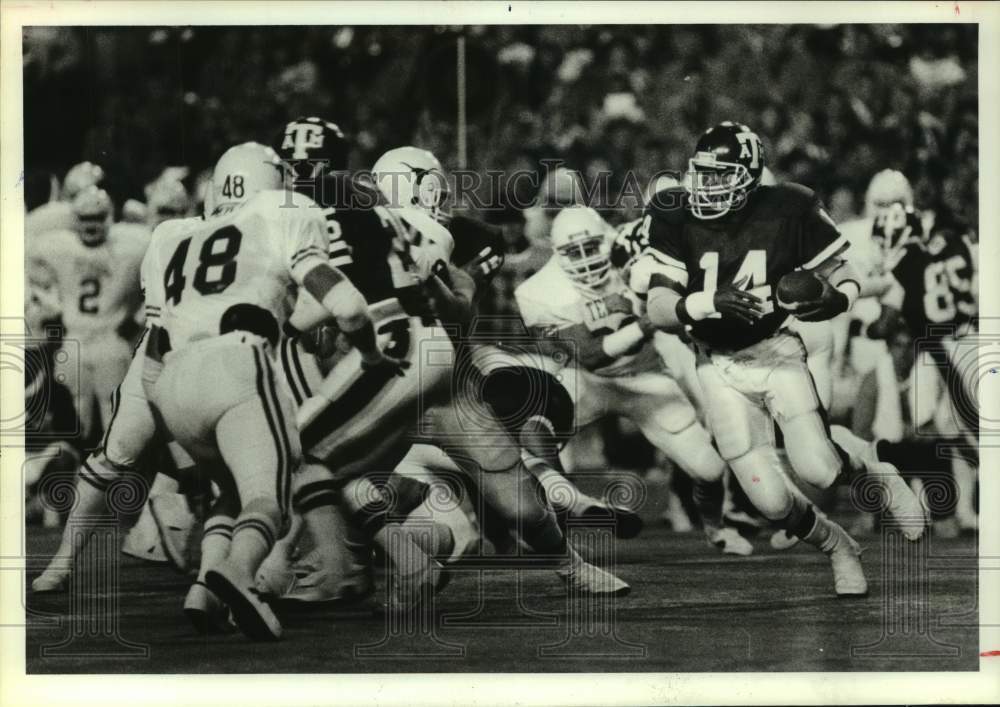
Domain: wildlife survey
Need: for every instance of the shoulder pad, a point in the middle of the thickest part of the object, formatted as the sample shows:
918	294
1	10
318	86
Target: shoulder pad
790	194
669	205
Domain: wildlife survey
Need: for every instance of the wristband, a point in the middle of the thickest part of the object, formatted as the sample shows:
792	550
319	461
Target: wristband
617	343
696	306
347	305
851	289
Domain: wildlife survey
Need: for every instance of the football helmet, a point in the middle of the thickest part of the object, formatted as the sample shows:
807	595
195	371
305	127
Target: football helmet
242	172
79	177
167	199
309	147
896	226
409	176
581	240
727	165
886	188
94	211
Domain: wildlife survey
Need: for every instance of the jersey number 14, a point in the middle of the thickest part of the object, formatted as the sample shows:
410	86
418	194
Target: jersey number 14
752	275
216	265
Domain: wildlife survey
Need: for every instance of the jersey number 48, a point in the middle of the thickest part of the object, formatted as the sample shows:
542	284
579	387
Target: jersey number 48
216	265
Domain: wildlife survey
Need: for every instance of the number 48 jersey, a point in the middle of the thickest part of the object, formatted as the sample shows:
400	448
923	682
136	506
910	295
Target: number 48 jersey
196	269
780	229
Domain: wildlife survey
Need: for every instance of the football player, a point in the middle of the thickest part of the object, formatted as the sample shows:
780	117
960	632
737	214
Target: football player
599	345
222	286
341	442
58	215
719	247
96	270
930	266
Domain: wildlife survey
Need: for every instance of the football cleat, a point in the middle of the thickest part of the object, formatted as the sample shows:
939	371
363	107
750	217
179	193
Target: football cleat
253	617
585	578
848	574
275	576
205	610
143	539
783	540
627	523
408	592
729	541
175	523
51	581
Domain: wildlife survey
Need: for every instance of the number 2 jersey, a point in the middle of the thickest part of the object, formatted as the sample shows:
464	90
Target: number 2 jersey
779	229
98	285
257	254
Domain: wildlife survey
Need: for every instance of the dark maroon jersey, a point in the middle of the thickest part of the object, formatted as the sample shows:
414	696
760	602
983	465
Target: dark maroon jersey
780	229
933	288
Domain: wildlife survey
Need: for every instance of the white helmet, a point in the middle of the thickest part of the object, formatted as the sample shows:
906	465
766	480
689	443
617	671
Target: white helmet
886	188
242	172
79	177
167	199
94	212
581	241
409	176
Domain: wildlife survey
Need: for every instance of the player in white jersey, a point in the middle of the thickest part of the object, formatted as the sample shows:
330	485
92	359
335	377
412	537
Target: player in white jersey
58	215
596	341
96	269
224	286
360	418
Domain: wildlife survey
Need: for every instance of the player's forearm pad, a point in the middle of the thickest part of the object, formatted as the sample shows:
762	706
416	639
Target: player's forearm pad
347	305
617	343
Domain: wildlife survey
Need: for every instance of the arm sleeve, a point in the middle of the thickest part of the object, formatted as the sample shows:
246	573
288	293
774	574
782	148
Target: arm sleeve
820	239
305	240
667	253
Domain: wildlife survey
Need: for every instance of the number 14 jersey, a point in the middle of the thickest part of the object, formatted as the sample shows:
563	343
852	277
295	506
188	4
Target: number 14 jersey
196	269
779	229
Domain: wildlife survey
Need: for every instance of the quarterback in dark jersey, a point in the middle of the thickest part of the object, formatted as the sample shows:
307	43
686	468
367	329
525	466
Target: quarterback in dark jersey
719	246
931	272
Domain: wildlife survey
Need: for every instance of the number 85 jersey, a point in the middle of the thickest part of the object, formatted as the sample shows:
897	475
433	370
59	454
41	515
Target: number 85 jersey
779	229
258	253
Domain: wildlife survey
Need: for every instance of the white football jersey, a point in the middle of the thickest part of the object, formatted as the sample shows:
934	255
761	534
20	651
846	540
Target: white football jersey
549	300
98	285
430	242
257	254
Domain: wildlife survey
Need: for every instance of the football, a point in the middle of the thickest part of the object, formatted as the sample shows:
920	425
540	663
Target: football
799	286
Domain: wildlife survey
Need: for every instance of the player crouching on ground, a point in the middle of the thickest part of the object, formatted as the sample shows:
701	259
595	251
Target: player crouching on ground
717	246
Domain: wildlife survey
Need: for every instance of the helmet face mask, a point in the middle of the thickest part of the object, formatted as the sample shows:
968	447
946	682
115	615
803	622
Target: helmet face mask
716	187
582	246
896	226
586	258
93	210
727	165
411	177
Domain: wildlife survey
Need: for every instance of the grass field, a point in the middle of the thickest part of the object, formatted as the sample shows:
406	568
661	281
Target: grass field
690	610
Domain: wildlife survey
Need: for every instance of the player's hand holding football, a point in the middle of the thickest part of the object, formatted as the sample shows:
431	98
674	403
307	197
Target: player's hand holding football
828	305
378	360
731	301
